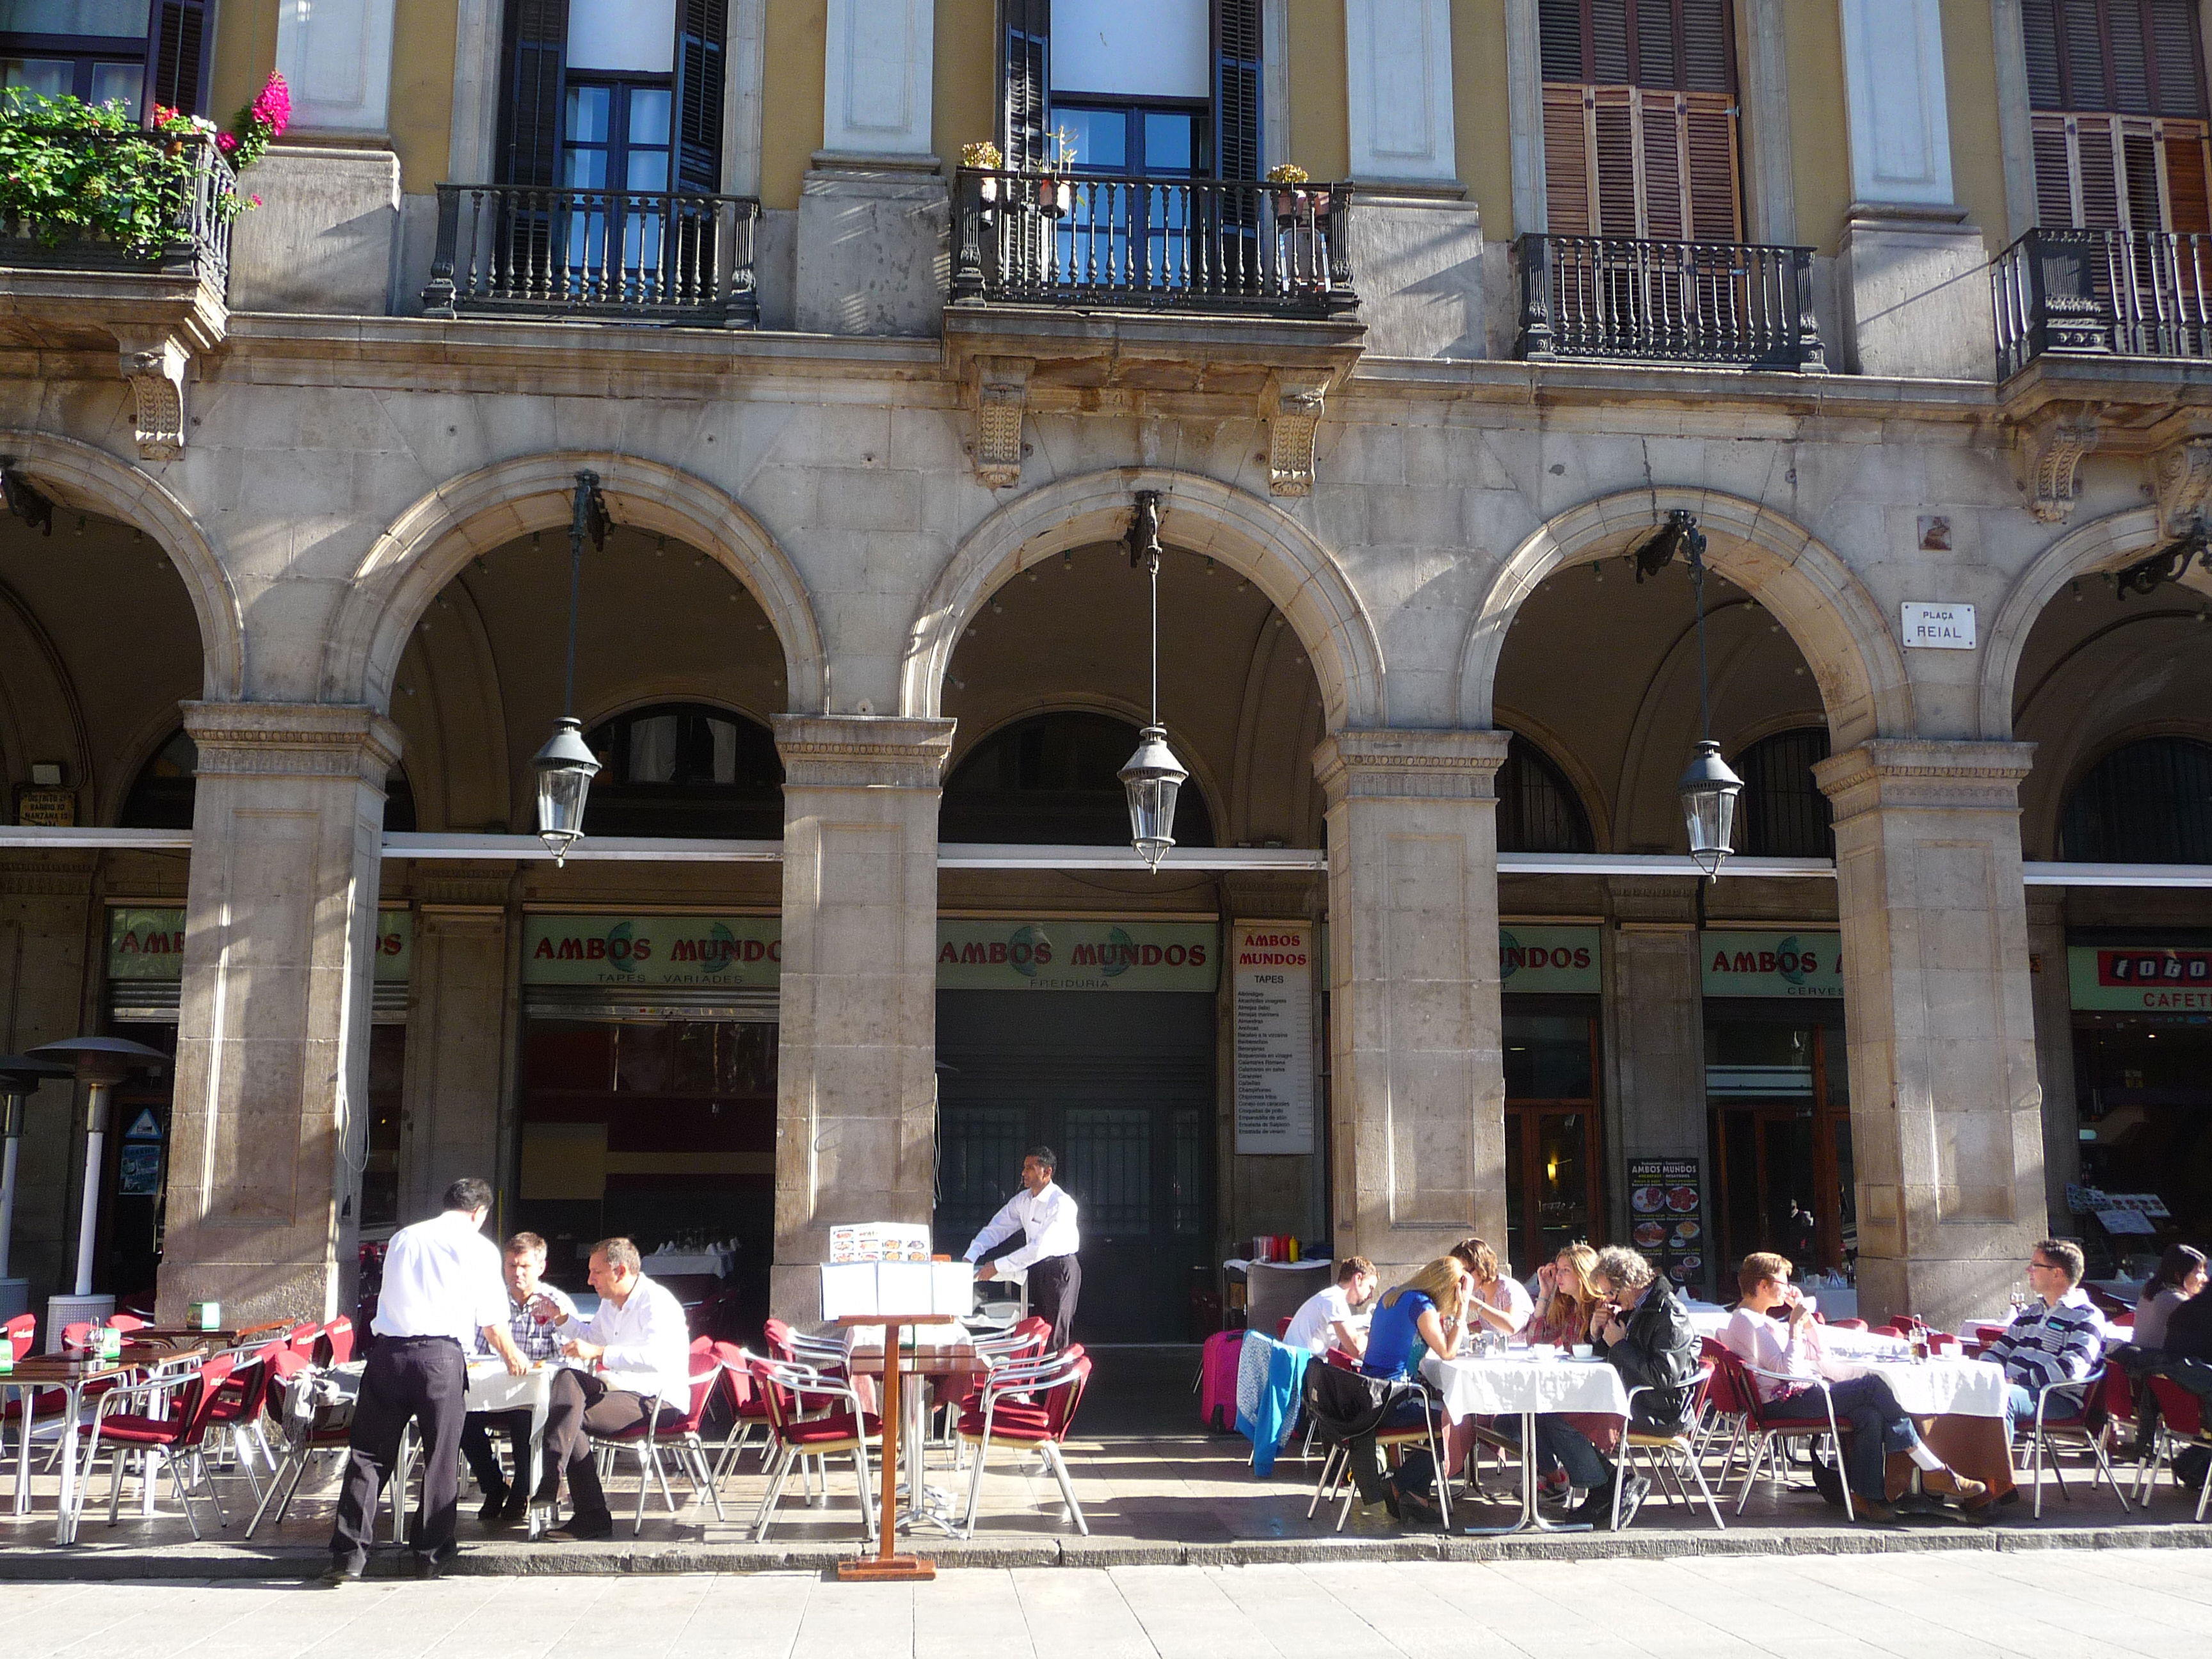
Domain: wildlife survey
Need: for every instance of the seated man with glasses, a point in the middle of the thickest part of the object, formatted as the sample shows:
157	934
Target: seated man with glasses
536	1313
2058	1337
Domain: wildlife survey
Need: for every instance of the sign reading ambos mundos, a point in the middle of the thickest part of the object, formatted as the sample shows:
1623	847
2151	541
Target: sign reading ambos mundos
1772	964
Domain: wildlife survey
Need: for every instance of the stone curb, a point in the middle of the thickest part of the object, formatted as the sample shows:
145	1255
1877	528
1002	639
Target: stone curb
95	1564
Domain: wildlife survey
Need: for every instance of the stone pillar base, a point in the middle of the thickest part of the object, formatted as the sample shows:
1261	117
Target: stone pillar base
1913	283
874	247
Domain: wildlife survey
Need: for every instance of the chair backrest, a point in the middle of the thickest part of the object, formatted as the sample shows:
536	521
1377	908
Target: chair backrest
1731	1388
303	1338
780	1390
22	1330
702	1344
776	1333
1060	1402
124	1321
77	1333
2183	1410
737	1391
706	1372
334	1342
1852	1325
196	1401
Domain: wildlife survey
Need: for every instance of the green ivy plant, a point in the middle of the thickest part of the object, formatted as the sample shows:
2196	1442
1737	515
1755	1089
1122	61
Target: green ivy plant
72	171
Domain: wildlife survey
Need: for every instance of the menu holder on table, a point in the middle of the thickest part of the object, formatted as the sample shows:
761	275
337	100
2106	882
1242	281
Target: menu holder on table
886	1566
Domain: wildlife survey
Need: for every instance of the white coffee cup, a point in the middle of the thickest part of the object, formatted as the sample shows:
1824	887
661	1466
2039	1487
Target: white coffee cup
1583	1350
1544	1350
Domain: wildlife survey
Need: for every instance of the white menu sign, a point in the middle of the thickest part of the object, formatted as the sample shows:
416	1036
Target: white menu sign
1273	962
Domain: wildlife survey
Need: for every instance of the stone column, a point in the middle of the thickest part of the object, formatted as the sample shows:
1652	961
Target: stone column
1947	1118
1417	1102
1655	1029
456	1023
856	1087
272	1035
2054	1043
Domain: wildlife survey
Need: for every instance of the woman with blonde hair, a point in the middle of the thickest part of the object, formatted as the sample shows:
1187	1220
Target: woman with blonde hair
1421	1315
1568	1299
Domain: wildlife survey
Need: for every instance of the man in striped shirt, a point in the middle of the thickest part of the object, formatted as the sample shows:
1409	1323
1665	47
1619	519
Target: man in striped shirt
2057	1338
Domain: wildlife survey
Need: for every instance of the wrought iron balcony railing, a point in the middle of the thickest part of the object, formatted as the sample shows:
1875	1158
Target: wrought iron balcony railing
540	250
2102	293
1169	244
190	188
1736	304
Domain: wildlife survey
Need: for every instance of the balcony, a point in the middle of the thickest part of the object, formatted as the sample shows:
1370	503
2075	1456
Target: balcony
634	256
2102	294
1628	299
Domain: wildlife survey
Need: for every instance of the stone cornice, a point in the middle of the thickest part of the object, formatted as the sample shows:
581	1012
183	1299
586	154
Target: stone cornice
1916	773
862	751
1410	764
293	739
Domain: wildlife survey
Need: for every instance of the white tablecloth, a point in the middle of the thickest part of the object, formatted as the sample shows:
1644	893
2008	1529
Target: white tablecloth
1510	1385
1238	1264
1933	1388
665	1264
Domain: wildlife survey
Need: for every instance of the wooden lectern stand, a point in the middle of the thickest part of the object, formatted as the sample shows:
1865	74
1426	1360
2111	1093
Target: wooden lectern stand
886	1566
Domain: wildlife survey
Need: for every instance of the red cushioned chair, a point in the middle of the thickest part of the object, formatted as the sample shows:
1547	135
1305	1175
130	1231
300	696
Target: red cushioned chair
302	1338
125	1322
1031	1406
811	1415
2071	1413
1668	1456
328	1428
648	1439
239	1406
334	1343
21	1331
1770	1431
174	1436
2180	1424
747	1410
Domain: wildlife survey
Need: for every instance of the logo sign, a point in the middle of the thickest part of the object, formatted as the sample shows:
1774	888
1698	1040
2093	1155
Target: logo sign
1012	954
1553	959
1936	627
2153	979
1772	964
143	1127
150	944
744	951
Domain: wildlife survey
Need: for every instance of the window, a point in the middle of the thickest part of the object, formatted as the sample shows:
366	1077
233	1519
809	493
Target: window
1640	120
103	51
1537	810
685	769
1782	813
1054	780
614	95
2147	803
2118	94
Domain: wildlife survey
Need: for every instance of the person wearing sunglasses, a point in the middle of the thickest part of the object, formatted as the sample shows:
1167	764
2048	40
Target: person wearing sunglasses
2058	1337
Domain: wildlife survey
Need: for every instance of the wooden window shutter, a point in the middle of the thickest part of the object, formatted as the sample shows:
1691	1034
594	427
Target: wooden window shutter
536	62
1567	162
1025	81
2108	171
702	42
2188	177
177	57
1237	142
2115	56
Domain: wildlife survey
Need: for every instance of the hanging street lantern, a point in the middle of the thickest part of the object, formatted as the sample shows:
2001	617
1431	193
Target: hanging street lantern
566	765
1707	787
1153	775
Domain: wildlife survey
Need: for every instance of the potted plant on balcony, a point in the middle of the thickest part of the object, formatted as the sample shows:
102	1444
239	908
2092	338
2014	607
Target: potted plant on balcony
1293	205
1055	194
983	157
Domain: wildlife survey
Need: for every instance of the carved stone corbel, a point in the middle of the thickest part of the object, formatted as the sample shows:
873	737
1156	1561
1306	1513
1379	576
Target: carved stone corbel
1002	394
1293	412
2181	476
153	363
2056	442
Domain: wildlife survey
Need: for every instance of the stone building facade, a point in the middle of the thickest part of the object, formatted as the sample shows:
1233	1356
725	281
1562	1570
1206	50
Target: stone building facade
864	629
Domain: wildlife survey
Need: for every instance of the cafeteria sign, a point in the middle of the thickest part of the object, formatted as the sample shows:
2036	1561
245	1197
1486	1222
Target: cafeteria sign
1555	959
1014	955
654	952
1772	964
148	944
2140	978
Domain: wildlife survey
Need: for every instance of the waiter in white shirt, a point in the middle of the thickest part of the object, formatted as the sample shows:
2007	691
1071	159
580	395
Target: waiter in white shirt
442	1288
1045	1217
639	1347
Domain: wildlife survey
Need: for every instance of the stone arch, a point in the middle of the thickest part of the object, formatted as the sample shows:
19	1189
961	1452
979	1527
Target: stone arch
1259	541
429	542
91	480
2118	538
1203	772
1834	622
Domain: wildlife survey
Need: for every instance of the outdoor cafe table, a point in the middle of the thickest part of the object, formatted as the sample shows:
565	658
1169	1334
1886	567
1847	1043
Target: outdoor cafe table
1959	1403
71	1375
491	1388
1516	1383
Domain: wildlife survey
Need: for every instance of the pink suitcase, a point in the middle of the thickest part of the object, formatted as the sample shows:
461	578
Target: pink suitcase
1217	1388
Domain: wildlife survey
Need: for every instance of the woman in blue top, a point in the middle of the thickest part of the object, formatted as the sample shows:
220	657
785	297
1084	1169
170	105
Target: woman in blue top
1409	1320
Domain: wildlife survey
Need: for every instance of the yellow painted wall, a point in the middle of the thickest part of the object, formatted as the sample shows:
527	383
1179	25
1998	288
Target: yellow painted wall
245	52
791	97
422	91
1321	133
1820	121
1977	148
1482	126
964	98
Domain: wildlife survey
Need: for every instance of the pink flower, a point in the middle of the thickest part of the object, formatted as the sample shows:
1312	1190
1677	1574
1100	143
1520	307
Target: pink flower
255	199
226	142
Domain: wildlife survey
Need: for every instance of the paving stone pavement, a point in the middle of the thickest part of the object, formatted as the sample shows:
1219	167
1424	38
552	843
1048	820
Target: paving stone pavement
2053	1604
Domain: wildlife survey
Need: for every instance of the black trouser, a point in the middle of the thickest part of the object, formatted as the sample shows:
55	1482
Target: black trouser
582	1405
1055	1283
483	1462
419	1379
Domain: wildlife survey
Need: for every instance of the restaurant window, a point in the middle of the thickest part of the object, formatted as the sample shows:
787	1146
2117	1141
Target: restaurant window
107	52
1640	120
162	795
614	95
1554	1194
1537	808
1782	811
1152	88
2147	803
1054	779
685	769
2118	91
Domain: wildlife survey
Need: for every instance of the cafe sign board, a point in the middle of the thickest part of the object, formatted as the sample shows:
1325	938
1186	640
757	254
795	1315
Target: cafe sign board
1559	960
1772	964
1012	954
2140	978
147	943
1274	983
744	952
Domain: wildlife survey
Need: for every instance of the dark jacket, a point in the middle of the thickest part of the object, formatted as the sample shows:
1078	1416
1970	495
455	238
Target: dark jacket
2189	1332
1657	1350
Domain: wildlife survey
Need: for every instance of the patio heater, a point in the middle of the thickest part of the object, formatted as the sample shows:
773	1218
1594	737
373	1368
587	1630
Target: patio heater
566	765
20	1077
1153	774
100	1063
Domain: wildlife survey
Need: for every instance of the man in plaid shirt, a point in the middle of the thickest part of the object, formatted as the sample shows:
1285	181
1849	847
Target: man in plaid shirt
2057	1338
536	1312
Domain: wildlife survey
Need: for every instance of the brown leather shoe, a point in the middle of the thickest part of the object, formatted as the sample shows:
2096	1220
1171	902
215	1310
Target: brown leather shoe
1971	1494
1869	1510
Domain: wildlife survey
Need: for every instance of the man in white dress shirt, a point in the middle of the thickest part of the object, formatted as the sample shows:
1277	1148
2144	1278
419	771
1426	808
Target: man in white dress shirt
441	1289
639	1346
1045	1217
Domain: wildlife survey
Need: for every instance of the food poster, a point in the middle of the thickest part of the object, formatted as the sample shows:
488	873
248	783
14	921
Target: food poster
1666	1217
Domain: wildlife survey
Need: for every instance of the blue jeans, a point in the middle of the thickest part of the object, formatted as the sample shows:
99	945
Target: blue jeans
1560	1445
1878	1427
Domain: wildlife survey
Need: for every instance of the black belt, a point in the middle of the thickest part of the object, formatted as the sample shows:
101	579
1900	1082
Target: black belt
455	1340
